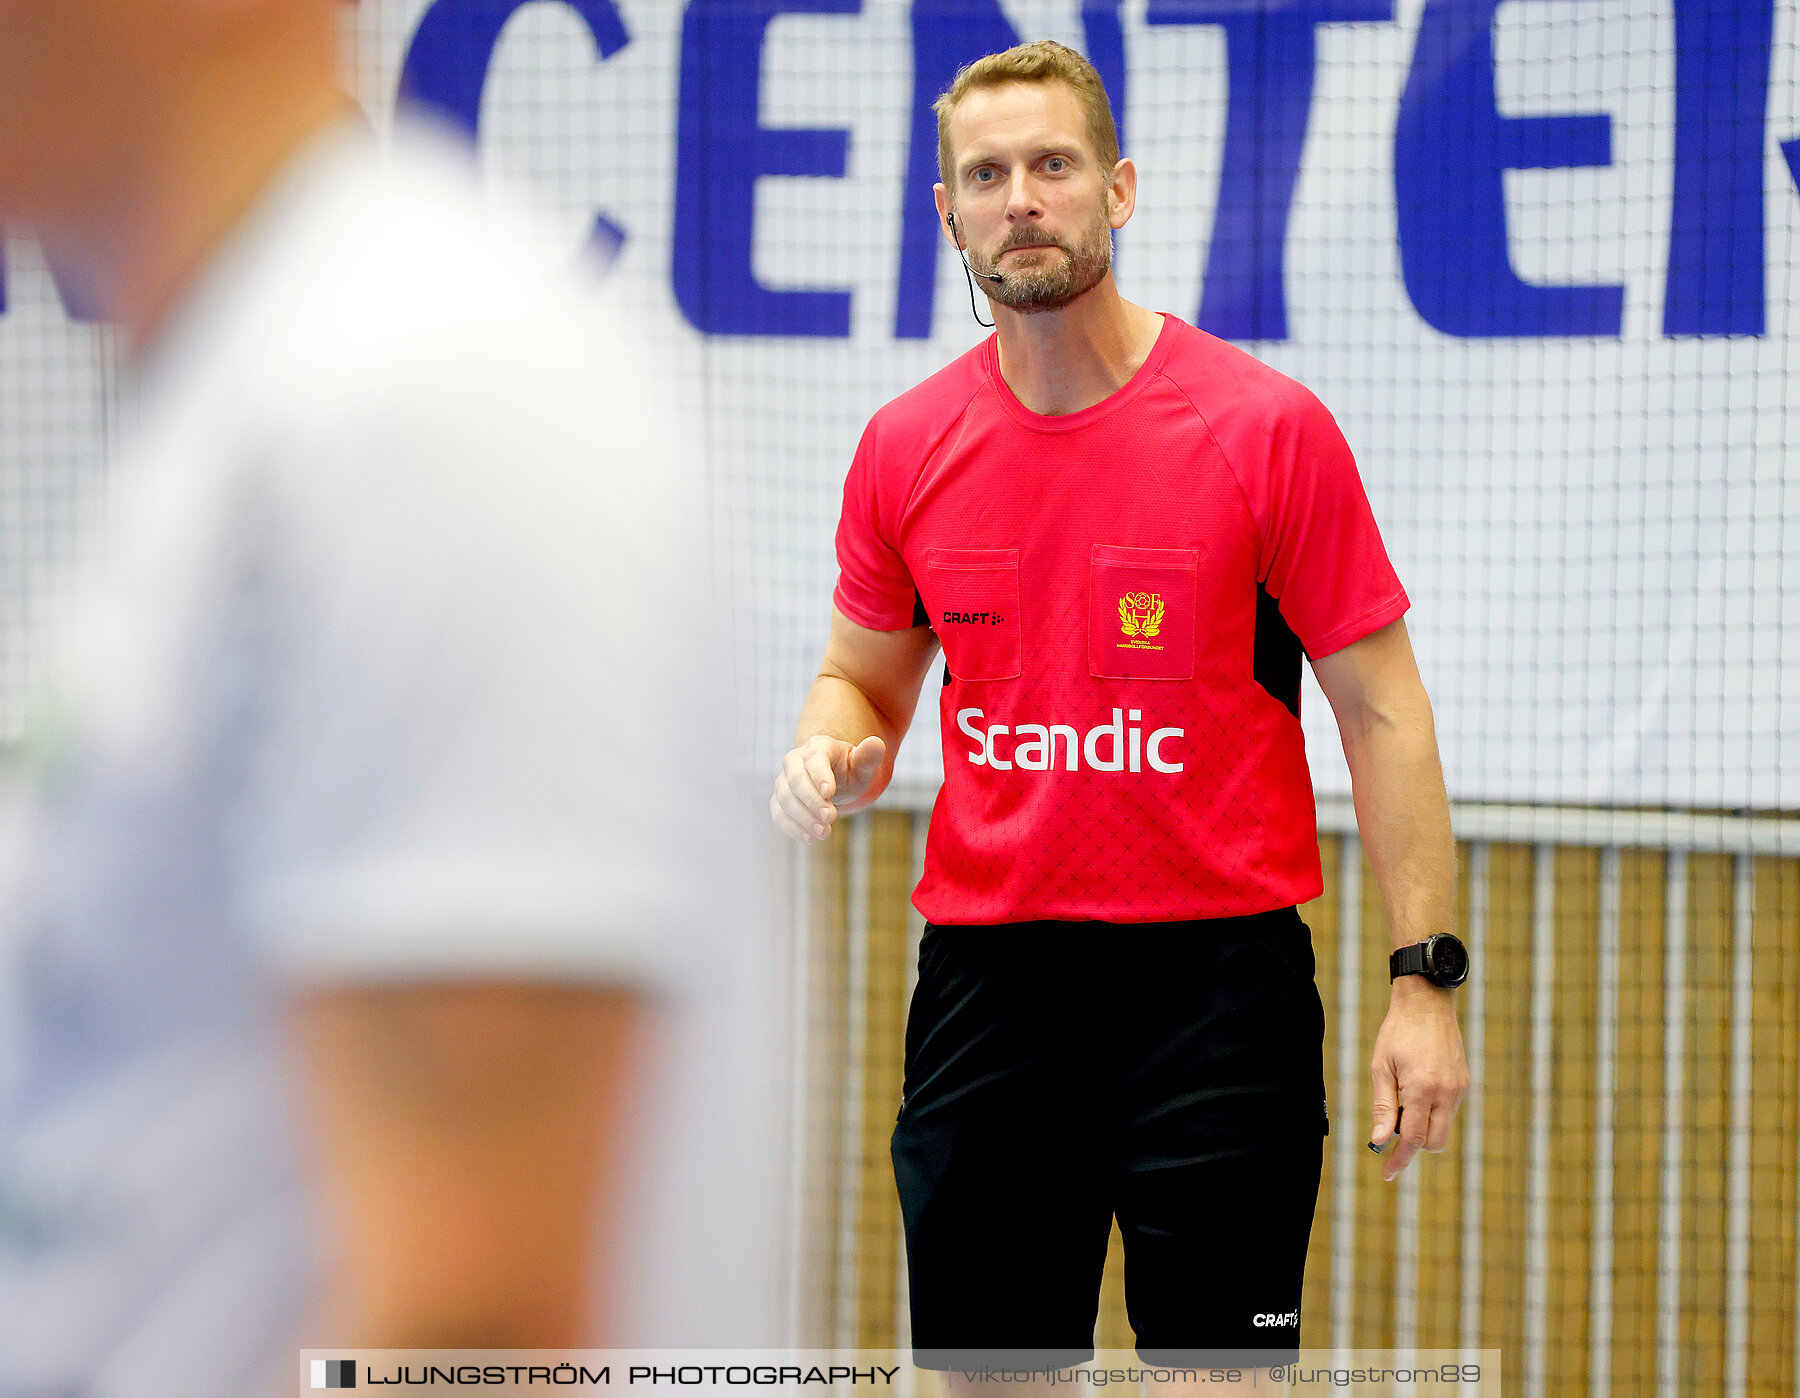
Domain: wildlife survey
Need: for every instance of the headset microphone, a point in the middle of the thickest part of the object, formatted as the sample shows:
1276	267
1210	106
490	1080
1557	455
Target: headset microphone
985	276
969	273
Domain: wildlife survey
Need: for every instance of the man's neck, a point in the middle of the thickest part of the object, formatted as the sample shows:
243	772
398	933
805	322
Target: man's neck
1059	362
136	254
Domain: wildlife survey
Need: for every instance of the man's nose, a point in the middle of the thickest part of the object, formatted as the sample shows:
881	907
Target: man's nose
1022	200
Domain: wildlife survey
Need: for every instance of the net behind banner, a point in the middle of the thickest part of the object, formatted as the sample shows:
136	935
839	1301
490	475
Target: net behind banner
1533	257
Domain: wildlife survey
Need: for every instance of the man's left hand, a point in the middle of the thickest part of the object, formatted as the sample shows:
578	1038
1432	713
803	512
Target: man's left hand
1418	1065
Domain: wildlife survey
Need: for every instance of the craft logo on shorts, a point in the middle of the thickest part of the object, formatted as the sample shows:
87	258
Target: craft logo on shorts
334	1373
1140	618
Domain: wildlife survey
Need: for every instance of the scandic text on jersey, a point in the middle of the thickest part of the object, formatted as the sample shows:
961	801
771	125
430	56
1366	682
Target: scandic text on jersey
1034	746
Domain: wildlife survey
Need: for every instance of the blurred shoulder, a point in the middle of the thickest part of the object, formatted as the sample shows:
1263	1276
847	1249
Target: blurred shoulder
403	267
391	324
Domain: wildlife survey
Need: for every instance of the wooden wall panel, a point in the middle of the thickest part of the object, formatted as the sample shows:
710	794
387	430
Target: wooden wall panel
1439	1303
1706	1107
1376	1199
1506	1133
884	1009
823	1292
870	1285
1637	1122
1570	1221
1114	1328
1774	1125
1321	916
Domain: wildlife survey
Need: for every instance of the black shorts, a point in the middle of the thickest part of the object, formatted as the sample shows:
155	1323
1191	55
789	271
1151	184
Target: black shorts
1061	1073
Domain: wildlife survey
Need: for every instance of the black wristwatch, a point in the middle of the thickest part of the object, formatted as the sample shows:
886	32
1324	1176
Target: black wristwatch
1441	958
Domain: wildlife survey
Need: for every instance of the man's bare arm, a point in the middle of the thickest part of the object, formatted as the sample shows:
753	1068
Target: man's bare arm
850	728
1384	717
469	1138
1403	815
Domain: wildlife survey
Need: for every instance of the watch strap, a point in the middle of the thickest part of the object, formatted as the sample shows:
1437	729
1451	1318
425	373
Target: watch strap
1407	961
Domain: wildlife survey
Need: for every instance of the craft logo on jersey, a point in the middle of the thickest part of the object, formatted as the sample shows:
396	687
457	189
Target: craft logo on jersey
334	1373
1140	618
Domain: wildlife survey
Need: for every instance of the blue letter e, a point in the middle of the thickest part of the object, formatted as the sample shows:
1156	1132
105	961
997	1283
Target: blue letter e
721	152
1451	151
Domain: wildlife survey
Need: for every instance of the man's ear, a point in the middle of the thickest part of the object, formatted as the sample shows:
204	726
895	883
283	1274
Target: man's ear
946	215
1121	193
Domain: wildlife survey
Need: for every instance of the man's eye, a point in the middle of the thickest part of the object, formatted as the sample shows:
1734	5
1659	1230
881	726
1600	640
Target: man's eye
1056	164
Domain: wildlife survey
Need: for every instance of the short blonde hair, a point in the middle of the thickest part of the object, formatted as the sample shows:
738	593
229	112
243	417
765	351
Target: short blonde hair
1041	62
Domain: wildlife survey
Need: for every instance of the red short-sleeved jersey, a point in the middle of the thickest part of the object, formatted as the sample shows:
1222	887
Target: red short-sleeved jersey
1122	595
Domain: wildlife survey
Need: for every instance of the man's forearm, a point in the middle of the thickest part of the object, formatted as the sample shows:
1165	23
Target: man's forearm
1417	1072
1403	815
836	708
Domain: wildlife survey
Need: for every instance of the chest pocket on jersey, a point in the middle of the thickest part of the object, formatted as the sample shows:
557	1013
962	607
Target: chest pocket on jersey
973	598
1141	619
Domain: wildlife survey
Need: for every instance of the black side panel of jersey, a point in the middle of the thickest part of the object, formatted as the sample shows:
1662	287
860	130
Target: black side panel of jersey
1278	652
923	618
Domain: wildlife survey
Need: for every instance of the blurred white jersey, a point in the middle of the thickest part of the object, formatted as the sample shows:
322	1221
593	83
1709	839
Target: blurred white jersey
397	669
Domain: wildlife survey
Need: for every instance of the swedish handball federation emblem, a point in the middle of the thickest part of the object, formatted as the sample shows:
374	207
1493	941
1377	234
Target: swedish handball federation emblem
334	1373
1140	618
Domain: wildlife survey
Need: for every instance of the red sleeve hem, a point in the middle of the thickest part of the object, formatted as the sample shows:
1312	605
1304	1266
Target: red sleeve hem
1387	610
873	620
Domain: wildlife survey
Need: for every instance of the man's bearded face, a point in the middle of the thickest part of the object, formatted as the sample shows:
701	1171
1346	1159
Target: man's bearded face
1054	273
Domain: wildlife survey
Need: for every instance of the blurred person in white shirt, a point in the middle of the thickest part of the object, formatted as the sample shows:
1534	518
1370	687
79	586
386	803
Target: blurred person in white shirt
361	978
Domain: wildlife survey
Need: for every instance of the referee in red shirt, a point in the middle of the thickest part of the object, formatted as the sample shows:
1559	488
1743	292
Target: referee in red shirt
1124	534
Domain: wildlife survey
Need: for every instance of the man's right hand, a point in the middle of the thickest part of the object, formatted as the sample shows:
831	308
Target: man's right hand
819	779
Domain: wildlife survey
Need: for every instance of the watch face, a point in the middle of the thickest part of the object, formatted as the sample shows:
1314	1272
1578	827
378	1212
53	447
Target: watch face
1449	960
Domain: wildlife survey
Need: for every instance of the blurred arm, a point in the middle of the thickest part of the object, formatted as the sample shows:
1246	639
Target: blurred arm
470	1137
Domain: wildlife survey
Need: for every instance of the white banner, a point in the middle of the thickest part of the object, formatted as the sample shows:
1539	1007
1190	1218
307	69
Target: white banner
1537	256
